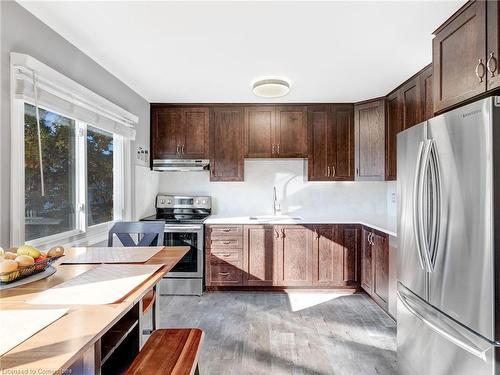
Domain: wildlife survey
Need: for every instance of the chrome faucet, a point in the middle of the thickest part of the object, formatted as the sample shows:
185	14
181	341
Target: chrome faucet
276	204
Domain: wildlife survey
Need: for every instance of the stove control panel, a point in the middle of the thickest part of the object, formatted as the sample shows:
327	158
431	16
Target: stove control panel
182	201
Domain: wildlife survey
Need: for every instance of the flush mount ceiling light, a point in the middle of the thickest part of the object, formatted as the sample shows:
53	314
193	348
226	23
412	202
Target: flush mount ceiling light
271	88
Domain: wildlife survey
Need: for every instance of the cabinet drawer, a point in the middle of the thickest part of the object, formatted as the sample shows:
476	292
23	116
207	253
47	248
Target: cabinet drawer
226	274
226	243
225	230
225	255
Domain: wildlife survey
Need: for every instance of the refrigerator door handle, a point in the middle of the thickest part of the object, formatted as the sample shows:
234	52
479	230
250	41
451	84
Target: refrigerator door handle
443	325
436	214
423	205
416	205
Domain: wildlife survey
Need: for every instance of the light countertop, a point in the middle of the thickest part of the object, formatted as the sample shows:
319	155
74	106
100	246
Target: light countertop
385	224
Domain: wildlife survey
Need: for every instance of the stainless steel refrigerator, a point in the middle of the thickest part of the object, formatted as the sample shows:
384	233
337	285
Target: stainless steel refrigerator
448	266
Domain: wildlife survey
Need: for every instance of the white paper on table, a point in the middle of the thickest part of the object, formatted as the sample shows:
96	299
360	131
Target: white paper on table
104	284
95	255
17	326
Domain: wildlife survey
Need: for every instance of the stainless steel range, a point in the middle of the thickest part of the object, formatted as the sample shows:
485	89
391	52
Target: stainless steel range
184	217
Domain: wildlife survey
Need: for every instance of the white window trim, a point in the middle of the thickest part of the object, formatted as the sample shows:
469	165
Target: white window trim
21	66
83	234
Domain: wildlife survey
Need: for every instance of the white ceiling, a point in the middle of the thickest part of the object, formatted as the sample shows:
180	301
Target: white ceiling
212	51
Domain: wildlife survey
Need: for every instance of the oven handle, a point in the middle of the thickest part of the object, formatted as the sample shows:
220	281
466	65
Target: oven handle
170	229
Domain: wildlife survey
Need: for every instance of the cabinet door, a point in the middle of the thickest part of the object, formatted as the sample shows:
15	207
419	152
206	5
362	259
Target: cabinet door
427	105
319	137
226	144
293	256
327	256
366	262
291	132
194	141
380	268
393	127
342	152
410	103
259	132
459	57
349	240
493	44
258	254
166	132
369	125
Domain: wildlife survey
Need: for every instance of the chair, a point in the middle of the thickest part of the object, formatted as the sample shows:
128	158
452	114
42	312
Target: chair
169	352
148	232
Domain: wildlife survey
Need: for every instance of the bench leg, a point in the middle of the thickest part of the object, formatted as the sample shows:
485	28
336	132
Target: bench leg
197	370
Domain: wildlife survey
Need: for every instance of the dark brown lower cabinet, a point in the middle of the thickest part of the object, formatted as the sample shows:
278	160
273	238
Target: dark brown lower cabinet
293	256
282	255
335	255
366	261
375	265
258	254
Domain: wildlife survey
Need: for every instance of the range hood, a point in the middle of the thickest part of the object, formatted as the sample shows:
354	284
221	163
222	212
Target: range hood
180	165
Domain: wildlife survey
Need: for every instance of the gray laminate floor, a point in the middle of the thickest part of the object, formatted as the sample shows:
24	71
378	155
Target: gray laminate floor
260	333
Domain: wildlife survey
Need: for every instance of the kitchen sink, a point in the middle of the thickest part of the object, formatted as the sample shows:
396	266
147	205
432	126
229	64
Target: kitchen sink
276	218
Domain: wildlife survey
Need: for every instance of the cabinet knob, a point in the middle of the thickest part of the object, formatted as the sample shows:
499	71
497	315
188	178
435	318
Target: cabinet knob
491	64
480	70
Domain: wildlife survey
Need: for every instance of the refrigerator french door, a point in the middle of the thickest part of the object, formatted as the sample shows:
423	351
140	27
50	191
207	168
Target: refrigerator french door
446	281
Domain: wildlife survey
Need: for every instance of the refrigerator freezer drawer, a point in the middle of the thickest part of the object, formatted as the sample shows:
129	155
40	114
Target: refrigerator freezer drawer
429	342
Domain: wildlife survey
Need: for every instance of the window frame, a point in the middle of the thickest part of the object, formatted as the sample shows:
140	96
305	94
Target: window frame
83	233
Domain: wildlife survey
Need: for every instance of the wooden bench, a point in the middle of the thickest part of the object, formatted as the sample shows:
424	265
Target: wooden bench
169	352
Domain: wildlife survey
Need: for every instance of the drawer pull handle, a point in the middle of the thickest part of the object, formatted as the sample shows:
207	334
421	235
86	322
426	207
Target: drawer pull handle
224	273
226	230
226	242
226	255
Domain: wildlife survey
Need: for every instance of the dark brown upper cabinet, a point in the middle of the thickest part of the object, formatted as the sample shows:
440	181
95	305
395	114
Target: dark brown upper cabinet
275	132
259	132
194	136
165	135
343	142
291	132
331	142
369	133
426	92
460	56
179	132
410	103
226	144
393	126
320	138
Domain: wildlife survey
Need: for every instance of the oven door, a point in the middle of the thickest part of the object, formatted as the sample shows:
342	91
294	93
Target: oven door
191	265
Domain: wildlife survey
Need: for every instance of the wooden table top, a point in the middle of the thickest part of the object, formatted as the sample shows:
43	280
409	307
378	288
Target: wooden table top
58	345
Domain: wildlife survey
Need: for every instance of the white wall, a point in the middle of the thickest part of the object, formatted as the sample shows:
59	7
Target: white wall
21	32
254	195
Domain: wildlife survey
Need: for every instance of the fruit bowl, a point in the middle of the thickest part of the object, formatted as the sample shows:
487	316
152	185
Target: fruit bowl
22	272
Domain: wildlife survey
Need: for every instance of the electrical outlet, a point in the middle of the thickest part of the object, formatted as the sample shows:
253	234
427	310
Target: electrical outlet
393	197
